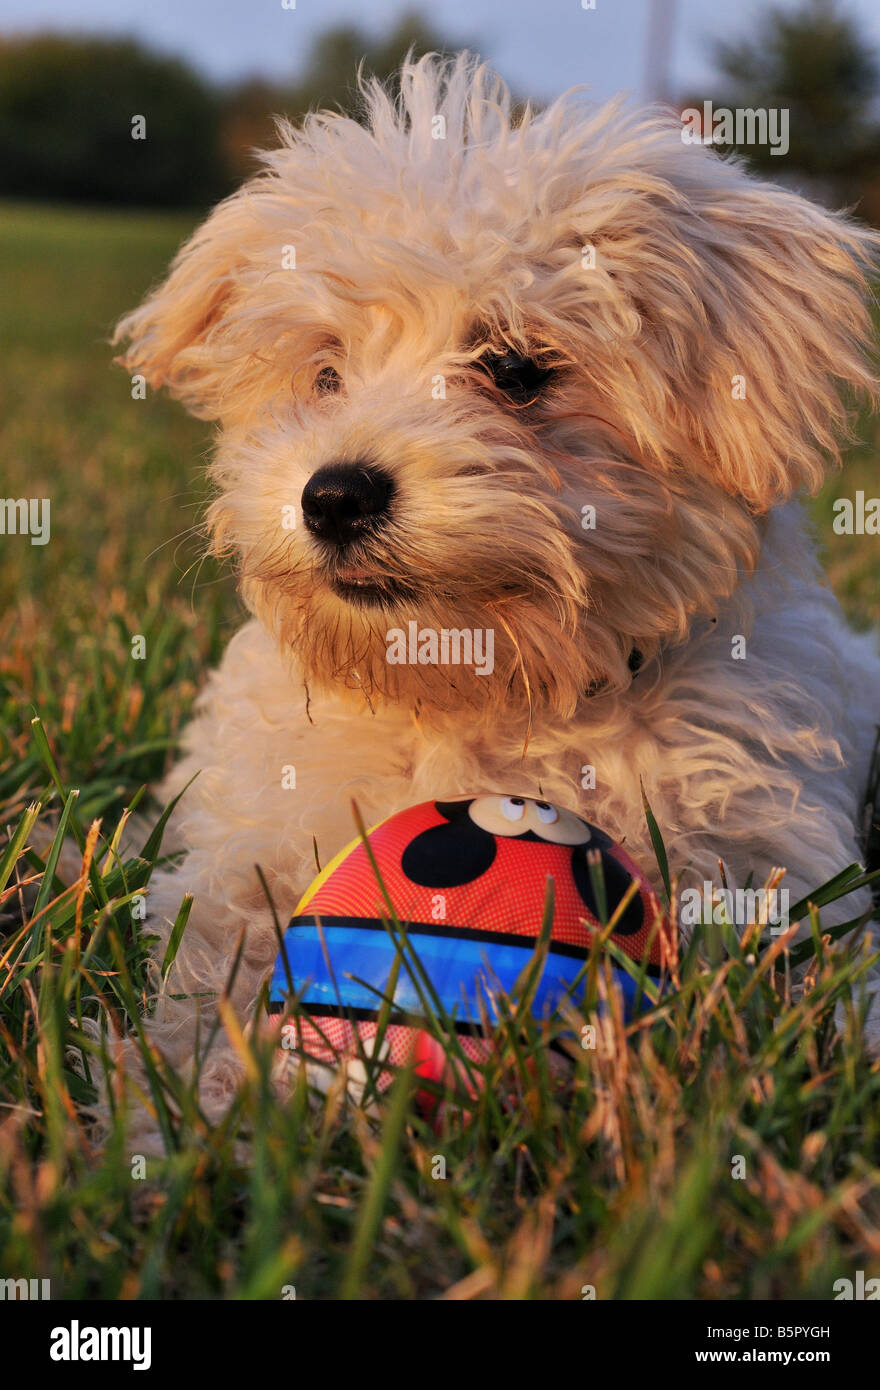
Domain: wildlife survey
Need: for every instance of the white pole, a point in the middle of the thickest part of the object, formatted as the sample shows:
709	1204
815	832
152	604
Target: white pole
658	50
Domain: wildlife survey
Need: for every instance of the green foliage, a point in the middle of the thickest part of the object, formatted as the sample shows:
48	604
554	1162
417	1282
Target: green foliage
816	63
67	103
66	109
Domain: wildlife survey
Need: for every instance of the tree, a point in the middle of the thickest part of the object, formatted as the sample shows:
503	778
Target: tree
330	80
67	107
815	63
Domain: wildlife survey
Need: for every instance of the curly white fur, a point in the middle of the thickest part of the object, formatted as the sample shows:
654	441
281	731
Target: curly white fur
648	274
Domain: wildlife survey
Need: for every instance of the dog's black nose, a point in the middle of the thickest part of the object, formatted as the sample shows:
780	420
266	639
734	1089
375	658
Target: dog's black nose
343	501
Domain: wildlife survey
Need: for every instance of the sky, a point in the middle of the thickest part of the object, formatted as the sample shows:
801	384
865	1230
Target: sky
540	46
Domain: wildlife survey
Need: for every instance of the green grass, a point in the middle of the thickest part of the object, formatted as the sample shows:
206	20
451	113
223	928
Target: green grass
852	563
617	1175
125	481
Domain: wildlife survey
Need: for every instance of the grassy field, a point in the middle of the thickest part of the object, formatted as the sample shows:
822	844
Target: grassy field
625	1177
126	488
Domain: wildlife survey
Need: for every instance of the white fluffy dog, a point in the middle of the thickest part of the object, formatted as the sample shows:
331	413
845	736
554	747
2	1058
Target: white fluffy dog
551	382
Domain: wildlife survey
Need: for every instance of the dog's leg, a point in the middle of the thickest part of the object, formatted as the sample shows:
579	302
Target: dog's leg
181	1027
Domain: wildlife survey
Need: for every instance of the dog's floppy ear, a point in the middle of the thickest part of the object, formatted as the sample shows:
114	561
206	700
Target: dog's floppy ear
169	338
783	346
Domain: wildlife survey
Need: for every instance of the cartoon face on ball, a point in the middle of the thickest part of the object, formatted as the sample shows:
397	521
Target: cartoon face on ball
525	818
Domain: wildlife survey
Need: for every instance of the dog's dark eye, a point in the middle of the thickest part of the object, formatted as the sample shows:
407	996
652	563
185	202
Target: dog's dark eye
327	381
520	378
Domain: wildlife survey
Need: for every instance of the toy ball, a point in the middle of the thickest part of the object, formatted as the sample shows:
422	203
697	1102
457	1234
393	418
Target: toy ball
468	881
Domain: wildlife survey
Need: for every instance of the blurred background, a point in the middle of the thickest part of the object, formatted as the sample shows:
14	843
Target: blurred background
213	77
89	218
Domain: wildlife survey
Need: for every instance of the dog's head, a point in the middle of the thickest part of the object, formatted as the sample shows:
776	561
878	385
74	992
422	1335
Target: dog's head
539	377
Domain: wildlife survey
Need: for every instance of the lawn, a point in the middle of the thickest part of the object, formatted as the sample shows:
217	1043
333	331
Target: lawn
727	1147
126	486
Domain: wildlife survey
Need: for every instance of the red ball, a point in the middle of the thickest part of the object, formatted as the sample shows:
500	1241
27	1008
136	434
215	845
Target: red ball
468	879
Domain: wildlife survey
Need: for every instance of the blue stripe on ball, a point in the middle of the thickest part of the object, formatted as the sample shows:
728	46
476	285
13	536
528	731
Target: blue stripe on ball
459	968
